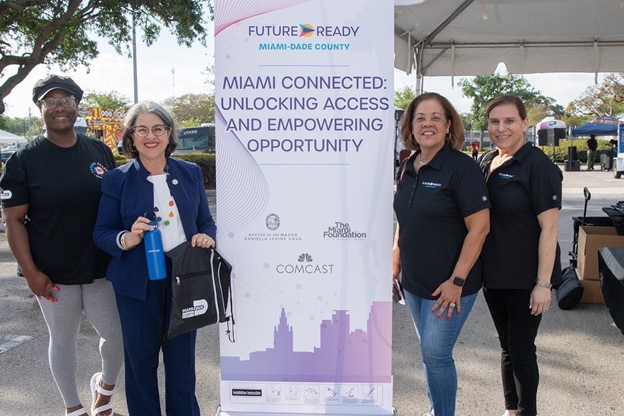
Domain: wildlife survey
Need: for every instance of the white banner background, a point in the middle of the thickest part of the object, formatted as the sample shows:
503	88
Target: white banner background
304	209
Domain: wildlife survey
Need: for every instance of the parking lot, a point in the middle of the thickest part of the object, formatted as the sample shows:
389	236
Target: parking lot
581	352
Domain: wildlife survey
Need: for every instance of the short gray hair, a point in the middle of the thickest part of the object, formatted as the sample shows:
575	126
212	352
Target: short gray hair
127	141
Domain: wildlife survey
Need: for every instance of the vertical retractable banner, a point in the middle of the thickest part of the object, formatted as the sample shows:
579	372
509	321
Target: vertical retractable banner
305	135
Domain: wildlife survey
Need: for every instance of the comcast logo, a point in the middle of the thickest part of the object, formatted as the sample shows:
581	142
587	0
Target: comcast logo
305	258
305	265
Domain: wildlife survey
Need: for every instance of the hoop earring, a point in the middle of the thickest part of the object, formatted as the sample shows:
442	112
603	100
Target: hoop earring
412	139
450	136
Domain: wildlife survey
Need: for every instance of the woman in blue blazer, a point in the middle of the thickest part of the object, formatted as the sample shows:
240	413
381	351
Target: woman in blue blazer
152	185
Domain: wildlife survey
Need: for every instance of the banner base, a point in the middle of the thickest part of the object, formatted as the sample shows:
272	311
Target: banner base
395	412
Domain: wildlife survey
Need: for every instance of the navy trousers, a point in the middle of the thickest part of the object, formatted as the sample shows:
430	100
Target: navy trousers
143	323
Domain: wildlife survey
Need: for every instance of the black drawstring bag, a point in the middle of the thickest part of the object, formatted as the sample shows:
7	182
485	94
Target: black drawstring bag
200	289
569	289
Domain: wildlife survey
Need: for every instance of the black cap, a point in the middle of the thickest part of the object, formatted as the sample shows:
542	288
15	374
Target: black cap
56	82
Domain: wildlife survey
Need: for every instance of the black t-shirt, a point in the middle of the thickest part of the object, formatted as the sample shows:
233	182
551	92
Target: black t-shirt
520	189
430	208
62	188
592	144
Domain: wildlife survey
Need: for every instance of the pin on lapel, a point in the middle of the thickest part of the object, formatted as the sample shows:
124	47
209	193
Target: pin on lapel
175	181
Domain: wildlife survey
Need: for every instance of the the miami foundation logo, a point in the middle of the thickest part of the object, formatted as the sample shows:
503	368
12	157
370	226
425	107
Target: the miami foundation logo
306	30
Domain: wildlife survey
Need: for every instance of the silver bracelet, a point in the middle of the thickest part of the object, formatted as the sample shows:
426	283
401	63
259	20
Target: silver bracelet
542	283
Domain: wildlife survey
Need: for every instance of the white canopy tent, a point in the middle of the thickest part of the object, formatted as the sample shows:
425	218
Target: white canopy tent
471	37
6	137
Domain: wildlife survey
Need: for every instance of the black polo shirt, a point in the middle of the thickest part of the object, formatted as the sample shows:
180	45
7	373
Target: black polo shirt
430	207
520	189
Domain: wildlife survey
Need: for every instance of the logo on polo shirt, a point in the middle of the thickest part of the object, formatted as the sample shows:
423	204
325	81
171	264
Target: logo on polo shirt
98	170
6	194
431	185
505	175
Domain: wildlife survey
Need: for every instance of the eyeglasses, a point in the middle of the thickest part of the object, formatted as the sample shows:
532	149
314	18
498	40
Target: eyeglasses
51	103
157	130
152	215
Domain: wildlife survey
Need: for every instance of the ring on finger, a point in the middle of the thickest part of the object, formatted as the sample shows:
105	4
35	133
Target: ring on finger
452	304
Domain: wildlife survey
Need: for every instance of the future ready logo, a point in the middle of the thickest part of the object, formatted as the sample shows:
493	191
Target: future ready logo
302	30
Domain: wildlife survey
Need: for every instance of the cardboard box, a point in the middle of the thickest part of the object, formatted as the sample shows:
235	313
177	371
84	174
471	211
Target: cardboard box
592	292
589	241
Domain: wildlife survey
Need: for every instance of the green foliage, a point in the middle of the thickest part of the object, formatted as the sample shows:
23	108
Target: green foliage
112	100
574	120
403	97
209	72
537	113
28	127
206	162
484	88
606	98
192	122
192	108
561	151
64	32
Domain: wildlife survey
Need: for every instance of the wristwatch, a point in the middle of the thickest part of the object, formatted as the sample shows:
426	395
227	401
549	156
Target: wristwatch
459	281
542	283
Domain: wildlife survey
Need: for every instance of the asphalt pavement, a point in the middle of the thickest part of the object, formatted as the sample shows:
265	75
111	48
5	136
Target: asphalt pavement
581	352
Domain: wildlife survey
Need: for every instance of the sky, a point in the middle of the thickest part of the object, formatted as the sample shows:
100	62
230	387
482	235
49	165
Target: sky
156	81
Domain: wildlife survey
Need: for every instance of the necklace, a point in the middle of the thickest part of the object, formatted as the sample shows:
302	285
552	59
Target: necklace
420	160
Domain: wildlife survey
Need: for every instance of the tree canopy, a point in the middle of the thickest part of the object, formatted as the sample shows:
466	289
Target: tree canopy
403	97
34	32
28	127
112	100
192	109
484	88
598	100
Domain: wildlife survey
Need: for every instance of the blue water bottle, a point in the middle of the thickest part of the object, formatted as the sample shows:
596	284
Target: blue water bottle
155	253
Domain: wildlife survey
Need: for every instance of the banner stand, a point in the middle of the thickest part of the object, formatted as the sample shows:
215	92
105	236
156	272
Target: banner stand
305	131
395	412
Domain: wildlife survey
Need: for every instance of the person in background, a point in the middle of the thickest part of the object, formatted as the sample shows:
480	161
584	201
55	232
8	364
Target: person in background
50	197
521	255
152	185
442	211
475	149
592	145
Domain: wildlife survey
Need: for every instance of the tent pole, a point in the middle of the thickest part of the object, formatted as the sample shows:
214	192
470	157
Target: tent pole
419	75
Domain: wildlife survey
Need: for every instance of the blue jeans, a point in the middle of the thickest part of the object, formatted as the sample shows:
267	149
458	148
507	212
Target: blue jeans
437	340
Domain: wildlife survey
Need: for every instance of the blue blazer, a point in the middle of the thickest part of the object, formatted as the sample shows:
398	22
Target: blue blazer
126	195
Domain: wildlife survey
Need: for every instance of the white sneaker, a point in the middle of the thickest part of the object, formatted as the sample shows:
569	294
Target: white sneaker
429	413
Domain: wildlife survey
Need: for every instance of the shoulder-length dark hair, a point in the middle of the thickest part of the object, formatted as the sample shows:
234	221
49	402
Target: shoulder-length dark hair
456	135
504	100
127	140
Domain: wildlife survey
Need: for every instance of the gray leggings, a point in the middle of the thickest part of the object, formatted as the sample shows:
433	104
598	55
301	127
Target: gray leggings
97	300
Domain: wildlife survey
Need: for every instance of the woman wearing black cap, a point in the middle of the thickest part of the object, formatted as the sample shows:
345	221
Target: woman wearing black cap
50	197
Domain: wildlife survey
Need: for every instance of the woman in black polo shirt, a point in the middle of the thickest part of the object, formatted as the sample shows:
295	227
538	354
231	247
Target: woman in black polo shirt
441	206
520	254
